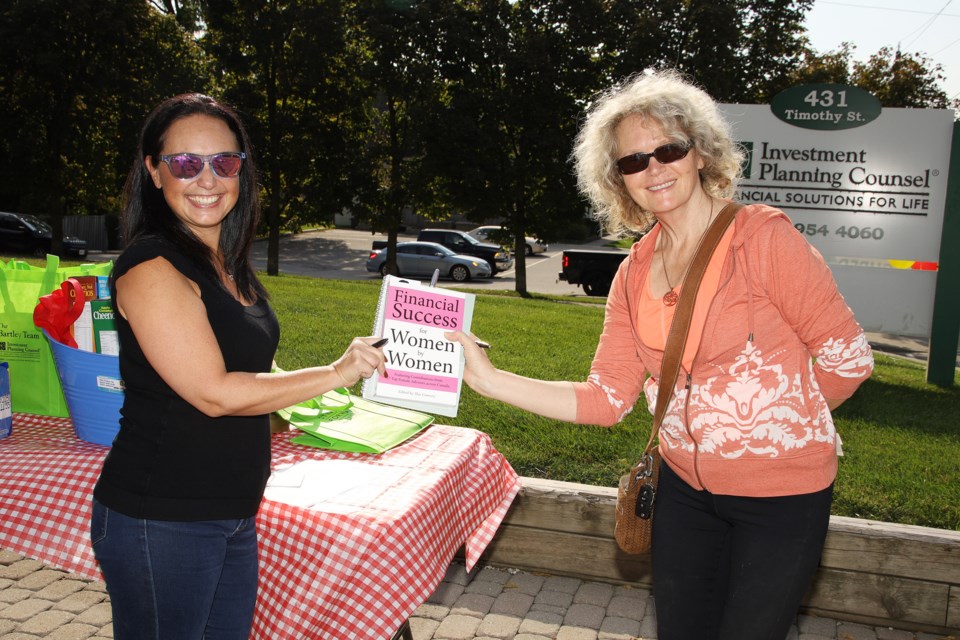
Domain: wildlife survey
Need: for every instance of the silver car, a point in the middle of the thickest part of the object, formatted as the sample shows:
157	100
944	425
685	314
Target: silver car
422	258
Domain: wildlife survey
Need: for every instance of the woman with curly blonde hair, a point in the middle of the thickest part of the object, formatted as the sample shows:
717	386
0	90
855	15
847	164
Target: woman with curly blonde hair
748	445
683	112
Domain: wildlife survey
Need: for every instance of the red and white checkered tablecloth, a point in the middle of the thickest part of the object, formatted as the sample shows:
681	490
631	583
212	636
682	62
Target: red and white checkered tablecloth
355	565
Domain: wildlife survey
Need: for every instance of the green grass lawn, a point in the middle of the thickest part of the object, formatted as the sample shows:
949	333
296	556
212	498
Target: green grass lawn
901	436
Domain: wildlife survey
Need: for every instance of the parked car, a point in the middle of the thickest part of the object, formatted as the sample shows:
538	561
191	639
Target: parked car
24	233
422	258
463	243
499	235
593	270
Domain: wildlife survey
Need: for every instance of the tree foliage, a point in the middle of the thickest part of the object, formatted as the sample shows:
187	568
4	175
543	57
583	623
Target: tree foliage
399	74
75	87
772	46
901	79
187	13
510	113
896	79
285	65
386	106
738	50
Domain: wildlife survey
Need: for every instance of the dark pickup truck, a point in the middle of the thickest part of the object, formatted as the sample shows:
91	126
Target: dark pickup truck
464	244
592	270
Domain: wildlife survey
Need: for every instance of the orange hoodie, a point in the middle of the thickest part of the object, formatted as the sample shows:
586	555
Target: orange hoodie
778	339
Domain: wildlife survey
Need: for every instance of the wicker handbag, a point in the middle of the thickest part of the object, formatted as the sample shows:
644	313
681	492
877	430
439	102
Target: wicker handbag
636	494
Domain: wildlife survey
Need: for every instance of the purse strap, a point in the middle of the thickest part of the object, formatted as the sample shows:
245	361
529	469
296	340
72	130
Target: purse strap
680	327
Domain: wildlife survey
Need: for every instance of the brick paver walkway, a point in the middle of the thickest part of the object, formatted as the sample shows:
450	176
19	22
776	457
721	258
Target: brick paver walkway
38	602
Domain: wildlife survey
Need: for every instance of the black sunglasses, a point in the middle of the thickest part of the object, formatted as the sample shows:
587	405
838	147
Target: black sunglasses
187	166
665	154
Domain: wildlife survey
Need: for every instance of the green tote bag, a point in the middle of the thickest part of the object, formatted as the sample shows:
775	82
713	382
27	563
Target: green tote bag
34	385
341	421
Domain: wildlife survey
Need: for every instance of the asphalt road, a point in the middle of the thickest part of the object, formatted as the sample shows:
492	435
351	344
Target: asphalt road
342	254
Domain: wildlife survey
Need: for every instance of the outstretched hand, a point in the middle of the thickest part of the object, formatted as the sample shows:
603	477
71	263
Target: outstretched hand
553	399
479	368
360	360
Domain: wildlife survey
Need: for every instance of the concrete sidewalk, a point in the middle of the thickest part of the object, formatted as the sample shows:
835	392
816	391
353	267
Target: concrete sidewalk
37	602
912	348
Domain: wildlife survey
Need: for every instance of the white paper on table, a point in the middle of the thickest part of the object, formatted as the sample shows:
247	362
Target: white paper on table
313	482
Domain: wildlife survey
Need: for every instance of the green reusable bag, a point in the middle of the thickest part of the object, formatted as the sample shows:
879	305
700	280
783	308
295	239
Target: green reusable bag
34	385
341	421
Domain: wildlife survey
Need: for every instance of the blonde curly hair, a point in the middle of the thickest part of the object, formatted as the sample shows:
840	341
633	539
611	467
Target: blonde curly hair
683	111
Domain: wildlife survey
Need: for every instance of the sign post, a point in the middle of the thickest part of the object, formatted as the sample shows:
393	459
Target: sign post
945	330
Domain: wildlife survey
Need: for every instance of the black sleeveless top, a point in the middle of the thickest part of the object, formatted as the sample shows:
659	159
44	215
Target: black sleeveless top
170	461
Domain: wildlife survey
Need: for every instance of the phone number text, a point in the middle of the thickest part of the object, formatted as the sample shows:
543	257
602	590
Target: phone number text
851	232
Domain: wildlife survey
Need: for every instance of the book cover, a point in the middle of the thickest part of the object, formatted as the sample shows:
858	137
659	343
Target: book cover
424	369
89	286
103	287
104	327
95	289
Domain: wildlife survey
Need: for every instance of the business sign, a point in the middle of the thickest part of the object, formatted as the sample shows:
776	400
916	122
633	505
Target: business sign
826	107
866	186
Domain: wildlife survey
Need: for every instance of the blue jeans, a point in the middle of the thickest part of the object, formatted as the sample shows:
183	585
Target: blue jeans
732	567
177	580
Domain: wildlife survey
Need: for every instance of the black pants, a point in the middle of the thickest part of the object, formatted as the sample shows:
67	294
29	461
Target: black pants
730	567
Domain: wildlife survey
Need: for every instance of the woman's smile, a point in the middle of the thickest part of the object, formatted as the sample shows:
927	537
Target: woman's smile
662	186
659	188
204	200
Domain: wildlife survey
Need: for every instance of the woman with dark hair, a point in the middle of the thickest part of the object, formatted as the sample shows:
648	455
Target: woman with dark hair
173	510
748	444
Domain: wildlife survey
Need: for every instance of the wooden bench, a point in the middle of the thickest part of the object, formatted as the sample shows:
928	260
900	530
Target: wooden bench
871	572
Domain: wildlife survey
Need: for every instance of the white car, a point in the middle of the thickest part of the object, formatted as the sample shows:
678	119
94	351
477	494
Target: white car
499	235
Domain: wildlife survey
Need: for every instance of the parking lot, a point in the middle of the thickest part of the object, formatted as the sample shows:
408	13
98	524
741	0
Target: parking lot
342	254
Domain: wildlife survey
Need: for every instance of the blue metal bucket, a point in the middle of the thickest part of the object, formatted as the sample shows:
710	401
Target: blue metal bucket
93	390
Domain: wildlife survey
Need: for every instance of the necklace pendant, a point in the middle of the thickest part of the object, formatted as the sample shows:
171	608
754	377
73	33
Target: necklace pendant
671	298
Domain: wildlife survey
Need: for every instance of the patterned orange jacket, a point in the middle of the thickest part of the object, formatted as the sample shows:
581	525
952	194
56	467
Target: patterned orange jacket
751	418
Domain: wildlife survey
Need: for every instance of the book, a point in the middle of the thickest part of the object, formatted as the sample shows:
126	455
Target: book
96	293
104	328
424	369
94	287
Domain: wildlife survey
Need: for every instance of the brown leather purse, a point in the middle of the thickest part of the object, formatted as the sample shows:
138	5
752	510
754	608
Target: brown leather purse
636	494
